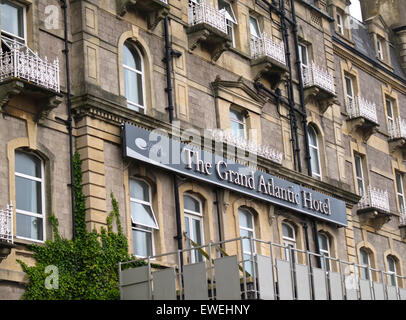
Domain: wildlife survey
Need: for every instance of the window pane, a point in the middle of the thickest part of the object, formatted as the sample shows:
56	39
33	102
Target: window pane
196	224
133	87
191	204
287	231
142	214
245	219
323	242
391	265
254	29
348	83
389	108
142	243
313	137
29	227
12	19
27	164
131	58
139	190
229	11
237	116
314	153
28	195
364	257
237	129
358	167
399	184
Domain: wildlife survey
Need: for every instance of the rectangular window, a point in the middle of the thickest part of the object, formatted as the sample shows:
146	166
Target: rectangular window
340	26
13	21
359	175
237	124
254	28
399	192
29	193
304	58
349	93
380	48
389	113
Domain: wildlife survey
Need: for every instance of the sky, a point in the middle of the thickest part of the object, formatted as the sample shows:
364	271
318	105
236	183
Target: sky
355	9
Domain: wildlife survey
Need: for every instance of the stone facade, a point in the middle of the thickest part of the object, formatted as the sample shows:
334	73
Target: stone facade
211	76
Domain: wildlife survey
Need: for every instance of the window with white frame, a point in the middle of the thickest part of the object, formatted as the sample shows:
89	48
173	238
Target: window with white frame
143	218
254	27
390	116
193	215
30	197
340	24
134	77
230	18
304	57
289	241
379	48
350	97
247	229
365	262
392	270
400	193
314	152
12	21
324	247
237	123
359	175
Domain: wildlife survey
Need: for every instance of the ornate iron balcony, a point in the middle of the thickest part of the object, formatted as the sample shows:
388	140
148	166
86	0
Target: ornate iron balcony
264	151
398	129
6	224
360	107
316	76
375	198
203	13
22	63
265	46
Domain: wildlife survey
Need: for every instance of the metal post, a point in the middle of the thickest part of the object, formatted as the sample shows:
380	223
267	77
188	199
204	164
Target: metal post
211	272
149	279
253	263
273	273
180	270
309	270
244	277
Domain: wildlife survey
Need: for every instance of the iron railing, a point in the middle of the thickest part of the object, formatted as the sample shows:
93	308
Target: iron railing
398	129
269	271
375	198
316	76
6	224
360	107
264	151
18	61
203	13
265	46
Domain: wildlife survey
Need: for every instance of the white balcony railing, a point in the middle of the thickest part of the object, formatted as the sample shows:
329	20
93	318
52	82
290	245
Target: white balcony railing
265	46
375	198
316	76
164	1
203	13
6	224
398	129
359	107
21	62
264	151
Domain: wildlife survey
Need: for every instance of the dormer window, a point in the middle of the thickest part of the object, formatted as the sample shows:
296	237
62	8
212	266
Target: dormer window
340	25
13	21
379	48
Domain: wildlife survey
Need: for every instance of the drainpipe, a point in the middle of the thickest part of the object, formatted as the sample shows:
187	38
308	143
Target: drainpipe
169	53
316	241
301	91
68	122
219	216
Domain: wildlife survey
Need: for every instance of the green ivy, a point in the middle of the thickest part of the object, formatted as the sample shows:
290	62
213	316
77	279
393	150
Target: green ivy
87	265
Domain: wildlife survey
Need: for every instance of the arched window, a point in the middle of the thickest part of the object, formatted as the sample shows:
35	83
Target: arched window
134	86
314	152
392	270
365	261
289	241
30	196
193	215
324	247
143	218
247	229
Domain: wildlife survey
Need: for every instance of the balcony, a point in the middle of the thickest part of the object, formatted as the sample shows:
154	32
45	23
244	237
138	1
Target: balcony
264	151
23	73
318	85
268	59
208	28
373	208
402	224
246	268
397	132
153	10
362	117
6	231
